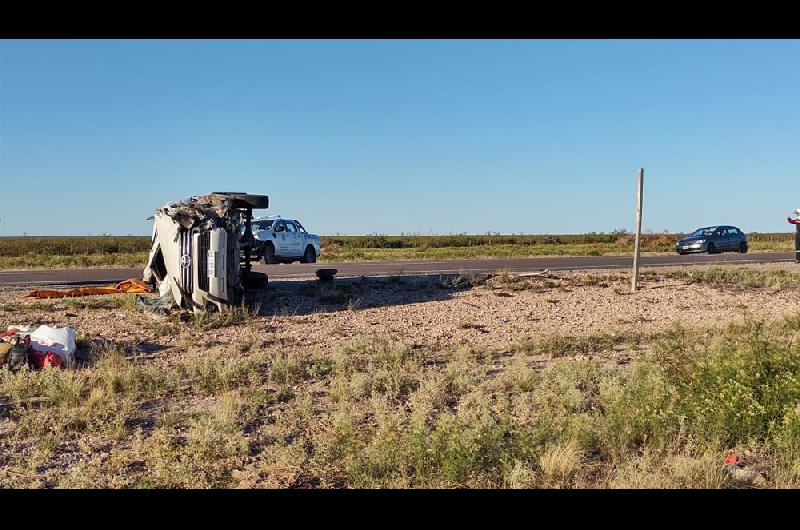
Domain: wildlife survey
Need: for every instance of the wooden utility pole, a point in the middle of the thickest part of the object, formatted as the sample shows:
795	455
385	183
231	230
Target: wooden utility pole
635	277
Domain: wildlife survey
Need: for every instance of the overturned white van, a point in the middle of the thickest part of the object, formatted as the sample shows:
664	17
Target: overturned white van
201	249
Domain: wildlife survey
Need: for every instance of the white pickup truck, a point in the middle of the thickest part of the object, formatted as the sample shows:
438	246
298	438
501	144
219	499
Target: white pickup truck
283	241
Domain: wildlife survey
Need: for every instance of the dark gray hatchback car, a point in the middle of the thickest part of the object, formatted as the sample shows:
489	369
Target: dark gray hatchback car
713	239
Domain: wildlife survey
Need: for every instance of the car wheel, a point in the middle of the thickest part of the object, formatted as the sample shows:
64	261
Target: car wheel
310	256
743	248
712	248
269	254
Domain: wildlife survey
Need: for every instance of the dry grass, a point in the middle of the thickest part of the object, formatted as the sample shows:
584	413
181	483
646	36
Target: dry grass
379	411
560	463
732	278
376	413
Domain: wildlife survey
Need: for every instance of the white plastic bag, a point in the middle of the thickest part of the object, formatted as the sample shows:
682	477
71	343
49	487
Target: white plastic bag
24	330
57	340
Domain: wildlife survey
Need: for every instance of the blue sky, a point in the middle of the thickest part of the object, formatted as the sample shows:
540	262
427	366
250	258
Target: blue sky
365	136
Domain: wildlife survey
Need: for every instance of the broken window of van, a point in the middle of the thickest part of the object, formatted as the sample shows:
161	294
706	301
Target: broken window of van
200	250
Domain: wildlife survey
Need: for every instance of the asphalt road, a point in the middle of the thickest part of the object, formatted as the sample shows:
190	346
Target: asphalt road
393	268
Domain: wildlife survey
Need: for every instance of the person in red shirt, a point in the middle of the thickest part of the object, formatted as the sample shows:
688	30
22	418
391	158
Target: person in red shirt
796	223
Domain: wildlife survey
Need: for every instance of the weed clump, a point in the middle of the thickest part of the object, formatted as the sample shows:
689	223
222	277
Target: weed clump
233	316
462	281
739	279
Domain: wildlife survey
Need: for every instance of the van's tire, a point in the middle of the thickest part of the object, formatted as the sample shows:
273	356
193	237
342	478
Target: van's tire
712	248
310	255
268	254
742	248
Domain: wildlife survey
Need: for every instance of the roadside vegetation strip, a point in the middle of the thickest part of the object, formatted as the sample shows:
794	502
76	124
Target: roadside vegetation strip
72	245
87	245
563	345
720	277
619	238
31	261
732	277
375	412
131	251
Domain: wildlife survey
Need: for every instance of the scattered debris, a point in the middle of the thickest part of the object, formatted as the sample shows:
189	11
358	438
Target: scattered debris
743	475
157	306
545	273
540	274
127	286
39	347
16	351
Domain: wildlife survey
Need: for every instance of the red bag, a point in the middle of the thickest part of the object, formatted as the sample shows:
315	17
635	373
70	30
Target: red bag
41	360
11	331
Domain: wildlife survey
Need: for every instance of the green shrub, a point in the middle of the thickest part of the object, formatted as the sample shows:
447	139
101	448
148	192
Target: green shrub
735	386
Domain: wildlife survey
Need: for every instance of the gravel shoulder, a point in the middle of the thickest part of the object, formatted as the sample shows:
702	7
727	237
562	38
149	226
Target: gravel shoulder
427	311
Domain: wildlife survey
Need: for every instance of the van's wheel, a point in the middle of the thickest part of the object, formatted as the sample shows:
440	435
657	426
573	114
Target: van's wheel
310	256
712	248
743	248
268	257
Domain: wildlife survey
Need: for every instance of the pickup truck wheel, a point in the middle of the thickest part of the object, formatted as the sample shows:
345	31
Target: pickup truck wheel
310	256
268	256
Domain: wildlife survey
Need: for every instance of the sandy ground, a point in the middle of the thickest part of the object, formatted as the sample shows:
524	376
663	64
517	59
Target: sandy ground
423	311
